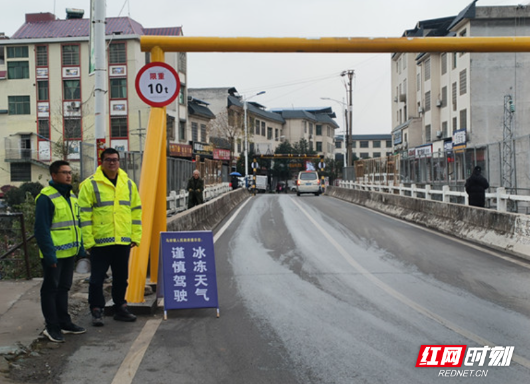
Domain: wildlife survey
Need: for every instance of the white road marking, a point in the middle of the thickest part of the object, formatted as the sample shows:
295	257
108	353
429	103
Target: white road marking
130	364
405	300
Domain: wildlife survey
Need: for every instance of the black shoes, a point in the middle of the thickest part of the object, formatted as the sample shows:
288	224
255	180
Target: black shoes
122	314
97	317
54	335
73	329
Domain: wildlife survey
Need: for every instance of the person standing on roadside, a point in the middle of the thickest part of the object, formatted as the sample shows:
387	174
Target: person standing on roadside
58	236
195	189
476	186
111	220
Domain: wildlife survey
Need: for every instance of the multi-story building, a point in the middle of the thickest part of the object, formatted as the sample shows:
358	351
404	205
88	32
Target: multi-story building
47	93
368	146
453	108
267	129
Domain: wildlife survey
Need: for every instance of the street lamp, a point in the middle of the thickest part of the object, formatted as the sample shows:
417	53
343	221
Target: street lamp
350	73
345	123
245	100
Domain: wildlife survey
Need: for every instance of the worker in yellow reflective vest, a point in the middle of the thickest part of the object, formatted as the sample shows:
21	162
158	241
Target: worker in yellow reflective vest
111	221
58	236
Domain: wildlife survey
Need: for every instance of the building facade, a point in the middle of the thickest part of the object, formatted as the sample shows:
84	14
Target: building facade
369	146
451	110
47	93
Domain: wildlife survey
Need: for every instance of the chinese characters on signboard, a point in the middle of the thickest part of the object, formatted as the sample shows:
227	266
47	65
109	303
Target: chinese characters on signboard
188	270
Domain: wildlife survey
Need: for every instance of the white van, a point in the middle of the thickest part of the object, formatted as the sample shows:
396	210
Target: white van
308	182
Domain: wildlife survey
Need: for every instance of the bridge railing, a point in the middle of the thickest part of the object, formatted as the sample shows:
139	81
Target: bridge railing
178	202
500	198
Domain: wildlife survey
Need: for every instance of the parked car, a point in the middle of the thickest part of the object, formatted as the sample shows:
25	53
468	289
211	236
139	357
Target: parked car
308	182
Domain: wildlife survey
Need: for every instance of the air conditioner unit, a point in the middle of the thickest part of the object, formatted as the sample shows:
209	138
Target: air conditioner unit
439	134
438	103
421	110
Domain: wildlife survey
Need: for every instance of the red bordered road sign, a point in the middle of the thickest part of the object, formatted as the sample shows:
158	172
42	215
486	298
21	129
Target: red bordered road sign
157	84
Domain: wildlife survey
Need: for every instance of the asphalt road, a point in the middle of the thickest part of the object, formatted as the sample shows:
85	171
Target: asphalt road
316	290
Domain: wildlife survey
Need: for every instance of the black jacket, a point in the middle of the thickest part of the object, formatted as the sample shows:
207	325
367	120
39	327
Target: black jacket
476	186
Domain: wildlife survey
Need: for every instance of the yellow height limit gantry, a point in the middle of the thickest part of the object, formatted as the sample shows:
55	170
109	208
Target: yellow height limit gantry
153	176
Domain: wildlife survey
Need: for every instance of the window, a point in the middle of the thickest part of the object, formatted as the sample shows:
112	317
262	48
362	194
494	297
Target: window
71	90
338	144
276	133
310	128
182	95
463	82
353	144
463	119
427	69
319	146
444	63
444	129
455	60
17	52
20	171
18	105
454	96
17	70
203	133
182	131
117	53
70	55
377	155
72	129
194	132
262	128
455	124
257	127
182	62
428	101
364	144
376	144
319	130
444	97
44	129
118	88
42	90
118	127
427	133
170	128
2	56
389	143
269	133
304	123
365	156
41	56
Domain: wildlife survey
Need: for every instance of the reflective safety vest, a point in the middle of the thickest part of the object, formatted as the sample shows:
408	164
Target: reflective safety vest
65	229
110	214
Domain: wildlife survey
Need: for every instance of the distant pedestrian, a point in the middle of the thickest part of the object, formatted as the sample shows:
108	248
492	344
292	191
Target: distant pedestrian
476	186
235	182
111	216
195	190
58	235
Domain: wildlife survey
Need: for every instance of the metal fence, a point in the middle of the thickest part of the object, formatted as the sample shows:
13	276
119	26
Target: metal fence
452	168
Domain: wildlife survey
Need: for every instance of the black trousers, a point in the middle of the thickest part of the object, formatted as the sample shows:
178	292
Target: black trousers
101	258
54	292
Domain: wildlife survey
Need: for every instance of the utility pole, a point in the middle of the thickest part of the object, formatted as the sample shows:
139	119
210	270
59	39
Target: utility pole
100	70
349	134
507	144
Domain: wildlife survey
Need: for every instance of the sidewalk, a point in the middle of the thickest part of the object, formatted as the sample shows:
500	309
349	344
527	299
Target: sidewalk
21	320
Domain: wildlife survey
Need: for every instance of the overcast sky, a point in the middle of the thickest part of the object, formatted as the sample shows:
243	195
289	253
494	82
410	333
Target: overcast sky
290	80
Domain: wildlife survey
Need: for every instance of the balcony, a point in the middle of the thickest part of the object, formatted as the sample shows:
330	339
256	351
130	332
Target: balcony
15	154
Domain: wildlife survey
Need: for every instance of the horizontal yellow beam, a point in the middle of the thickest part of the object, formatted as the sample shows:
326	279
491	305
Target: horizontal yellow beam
336	44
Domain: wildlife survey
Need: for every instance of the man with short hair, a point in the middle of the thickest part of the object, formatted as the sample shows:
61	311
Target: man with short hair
58	236
111	220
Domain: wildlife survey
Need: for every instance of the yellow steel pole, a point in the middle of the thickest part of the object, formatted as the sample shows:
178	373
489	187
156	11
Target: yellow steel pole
155	144
336	44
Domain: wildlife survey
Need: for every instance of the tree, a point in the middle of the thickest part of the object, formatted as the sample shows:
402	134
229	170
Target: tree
16	196
228	125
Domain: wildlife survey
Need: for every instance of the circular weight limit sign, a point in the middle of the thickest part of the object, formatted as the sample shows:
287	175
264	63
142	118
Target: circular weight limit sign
157	84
